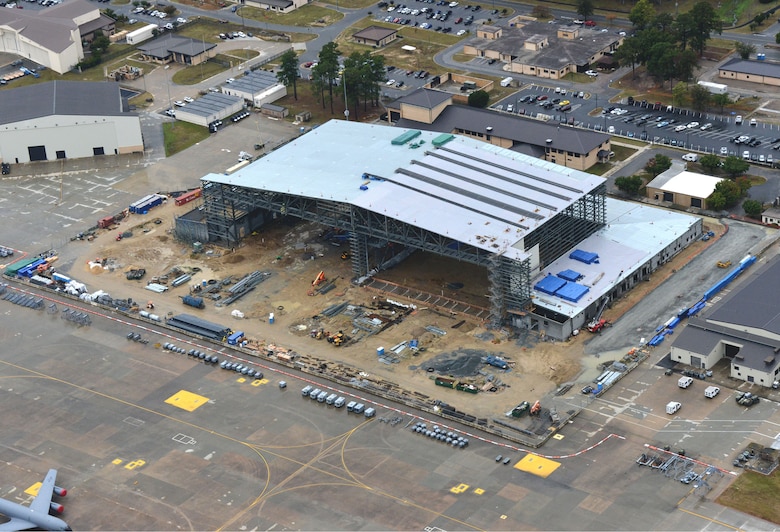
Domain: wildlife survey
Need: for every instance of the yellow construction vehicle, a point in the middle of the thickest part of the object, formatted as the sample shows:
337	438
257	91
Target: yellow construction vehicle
724	263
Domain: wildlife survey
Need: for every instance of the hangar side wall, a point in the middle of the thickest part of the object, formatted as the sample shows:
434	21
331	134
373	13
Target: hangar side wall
76	136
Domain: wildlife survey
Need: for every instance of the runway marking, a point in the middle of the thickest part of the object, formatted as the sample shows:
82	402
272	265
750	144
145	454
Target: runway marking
33	490
460	488
537	465
187	400
135	464
711	520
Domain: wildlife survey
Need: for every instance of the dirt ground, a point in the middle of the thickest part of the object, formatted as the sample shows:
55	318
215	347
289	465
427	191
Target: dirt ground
294	255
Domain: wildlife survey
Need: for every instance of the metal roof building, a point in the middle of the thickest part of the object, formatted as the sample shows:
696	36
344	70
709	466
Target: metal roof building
66	120
210	107
743	326
257	87
447	194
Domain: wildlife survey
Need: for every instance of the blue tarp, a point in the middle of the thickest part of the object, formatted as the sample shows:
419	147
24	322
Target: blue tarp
584	256
569	275
572	292
549	285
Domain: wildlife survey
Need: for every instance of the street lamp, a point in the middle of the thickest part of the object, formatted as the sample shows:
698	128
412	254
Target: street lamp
168	86
346	105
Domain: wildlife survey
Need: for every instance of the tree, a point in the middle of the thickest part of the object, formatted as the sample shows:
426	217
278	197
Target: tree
706	20
753	208
716	201
730	192
642	14
744	49
657	165
710	162
684	26
777	38
479	99
734	166
679	92
663	22
585	8
288	71
169	10
700	97
660	61
328	69
721	100
541	11
629	53
631	185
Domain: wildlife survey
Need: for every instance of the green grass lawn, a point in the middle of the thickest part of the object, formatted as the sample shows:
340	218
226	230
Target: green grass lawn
307	15
193	75
181	135
755	494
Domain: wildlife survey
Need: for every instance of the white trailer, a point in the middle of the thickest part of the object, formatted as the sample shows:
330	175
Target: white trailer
142	34
507	82
714	88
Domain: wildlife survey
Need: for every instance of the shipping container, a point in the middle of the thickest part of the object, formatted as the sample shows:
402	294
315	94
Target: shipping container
188	197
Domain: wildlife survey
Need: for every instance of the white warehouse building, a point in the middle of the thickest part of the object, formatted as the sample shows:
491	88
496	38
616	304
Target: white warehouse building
66	120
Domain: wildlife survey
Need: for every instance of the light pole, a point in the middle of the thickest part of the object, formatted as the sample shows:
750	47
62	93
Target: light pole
346	105
168	86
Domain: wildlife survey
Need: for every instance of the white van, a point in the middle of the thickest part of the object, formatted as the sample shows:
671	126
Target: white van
331	399
673	407
306	390
351	406
684	382
358	408
506	82
322	396
338	403
370	412
711	391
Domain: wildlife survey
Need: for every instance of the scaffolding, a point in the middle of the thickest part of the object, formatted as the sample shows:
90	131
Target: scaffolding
231	212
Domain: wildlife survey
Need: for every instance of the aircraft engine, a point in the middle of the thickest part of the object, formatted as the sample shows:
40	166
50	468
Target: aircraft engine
56	508
60	491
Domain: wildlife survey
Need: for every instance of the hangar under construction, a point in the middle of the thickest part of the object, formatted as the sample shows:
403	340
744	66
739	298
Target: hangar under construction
446	194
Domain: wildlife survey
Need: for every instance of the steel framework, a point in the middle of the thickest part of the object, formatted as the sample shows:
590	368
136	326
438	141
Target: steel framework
227	209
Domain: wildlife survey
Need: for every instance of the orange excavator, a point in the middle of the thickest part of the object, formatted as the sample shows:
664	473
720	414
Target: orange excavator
319	279
536	409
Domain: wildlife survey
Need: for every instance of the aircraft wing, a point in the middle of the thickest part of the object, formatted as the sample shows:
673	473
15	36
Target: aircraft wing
43	499
16	524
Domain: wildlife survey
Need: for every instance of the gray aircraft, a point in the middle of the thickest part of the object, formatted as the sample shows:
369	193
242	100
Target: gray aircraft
37	514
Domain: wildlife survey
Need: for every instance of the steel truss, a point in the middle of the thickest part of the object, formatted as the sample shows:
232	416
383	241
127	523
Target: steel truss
226	208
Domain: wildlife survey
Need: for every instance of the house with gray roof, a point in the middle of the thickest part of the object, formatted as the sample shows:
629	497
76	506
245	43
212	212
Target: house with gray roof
743	327
172	48
543	50
433	110
66	120
767	73
277	6
53	37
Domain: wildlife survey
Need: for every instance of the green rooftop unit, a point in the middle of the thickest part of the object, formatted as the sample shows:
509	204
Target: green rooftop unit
406	137
14	268
442	139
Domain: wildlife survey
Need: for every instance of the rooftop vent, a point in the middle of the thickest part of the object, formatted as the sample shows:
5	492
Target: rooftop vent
548	141
489	128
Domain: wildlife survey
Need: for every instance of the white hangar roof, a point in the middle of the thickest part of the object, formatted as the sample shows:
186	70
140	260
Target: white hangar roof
473	192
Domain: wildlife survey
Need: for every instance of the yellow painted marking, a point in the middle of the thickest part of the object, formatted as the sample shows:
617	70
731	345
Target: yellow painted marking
536	465
460	488
33	490
263	381
256	383
479	491
241	379
117	461
503	517
186	400
558	436
135	463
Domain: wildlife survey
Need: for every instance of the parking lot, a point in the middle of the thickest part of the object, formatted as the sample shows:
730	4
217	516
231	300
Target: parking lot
681	128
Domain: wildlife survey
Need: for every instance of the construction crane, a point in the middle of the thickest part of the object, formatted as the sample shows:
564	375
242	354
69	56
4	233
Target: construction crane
319	279
598	323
